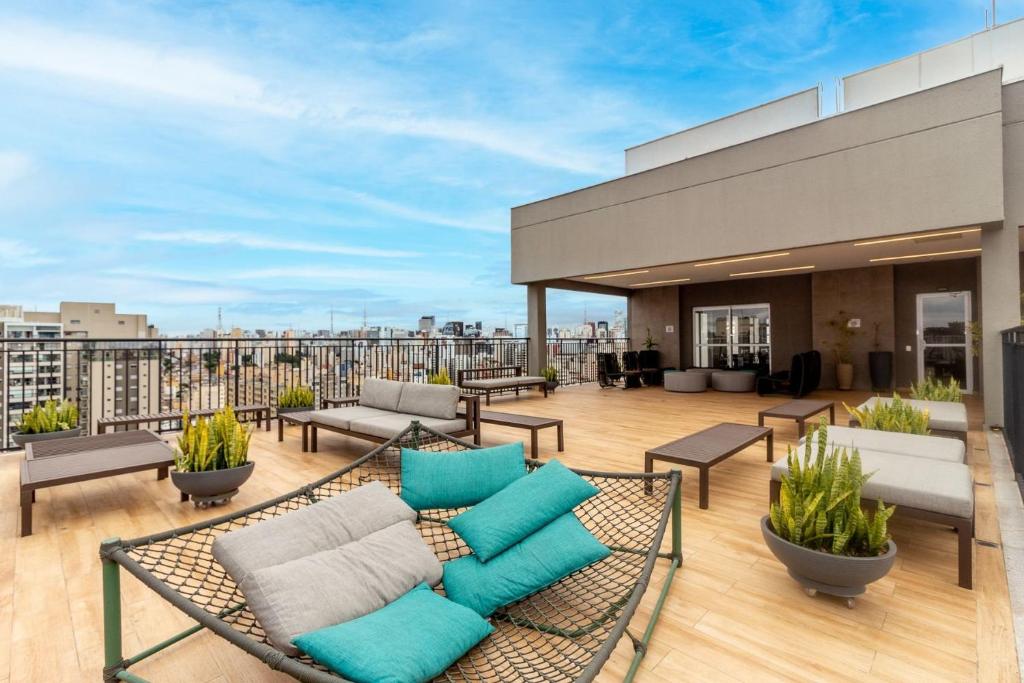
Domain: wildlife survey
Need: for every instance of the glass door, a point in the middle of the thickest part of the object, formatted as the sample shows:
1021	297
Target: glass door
736	337
944	341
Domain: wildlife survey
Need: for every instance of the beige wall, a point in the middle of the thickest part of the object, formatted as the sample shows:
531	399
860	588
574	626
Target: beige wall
862	293
656	308
928	160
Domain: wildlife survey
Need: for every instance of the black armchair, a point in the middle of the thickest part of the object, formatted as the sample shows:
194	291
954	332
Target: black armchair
802	378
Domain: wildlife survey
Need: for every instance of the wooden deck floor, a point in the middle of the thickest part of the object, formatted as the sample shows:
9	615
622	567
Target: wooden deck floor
733	612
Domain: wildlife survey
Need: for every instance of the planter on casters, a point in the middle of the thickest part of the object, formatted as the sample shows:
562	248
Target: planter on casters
841	575
211	487
22	439
880	366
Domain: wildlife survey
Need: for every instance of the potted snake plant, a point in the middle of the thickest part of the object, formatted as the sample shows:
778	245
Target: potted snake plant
818	529
550	375
211	460
295	399
52	420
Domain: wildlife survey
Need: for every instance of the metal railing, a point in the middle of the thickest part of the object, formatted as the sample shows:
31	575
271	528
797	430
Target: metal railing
1013	396
111	377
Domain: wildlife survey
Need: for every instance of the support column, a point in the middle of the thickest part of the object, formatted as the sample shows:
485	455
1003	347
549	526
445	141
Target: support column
537	327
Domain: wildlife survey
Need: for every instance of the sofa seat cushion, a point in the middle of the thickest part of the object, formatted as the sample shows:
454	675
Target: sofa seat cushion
948	416
490	382
430	400
338	585
387	426
327	524
380	393
933	485
342	417
934	447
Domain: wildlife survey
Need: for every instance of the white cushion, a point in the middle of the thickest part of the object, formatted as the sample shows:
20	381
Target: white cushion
934	447
431	400
342	417
380	393
933	485
949	416
326	524
340	584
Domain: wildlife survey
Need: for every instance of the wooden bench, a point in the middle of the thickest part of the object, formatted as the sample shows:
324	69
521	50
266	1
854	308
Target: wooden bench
262	413
498	380
531	422
81	458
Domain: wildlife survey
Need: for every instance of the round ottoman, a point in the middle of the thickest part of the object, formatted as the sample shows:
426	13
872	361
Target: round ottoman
733	380
689	382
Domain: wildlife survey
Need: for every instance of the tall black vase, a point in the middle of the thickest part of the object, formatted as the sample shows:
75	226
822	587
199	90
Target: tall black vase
880	367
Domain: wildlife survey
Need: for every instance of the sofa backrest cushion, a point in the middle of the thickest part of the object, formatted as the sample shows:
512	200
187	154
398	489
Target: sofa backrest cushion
429	400
380	393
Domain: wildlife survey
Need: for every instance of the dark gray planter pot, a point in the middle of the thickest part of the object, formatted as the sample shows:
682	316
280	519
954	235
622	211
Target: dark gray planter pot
295	409
215	486
22	439
551	386
846	577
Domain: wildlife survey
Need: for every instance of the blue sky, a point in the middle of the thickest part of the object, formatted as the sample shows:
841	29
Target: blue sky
282	159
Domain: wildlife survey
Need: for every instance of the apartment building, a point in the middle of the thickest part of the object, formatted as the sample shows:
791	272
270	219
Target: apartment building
746	240
31	369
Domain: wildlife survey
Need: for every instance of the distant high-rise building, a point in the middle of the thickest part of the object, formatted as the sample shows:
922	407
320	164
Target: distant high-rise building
427	323
453	328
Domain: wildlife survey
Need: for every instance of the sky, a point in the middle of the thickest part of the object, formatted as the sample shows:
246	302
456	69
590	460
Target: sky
282	160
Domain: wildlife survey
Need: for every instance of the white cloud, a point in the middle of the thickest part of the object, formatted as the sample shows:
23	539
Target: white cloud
400	210
13	167
285	243
16	254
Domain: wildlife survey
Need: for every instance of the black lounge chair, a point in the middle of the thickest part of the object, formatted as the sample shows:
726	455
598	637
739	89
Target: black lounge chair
802	378
608	369
565	632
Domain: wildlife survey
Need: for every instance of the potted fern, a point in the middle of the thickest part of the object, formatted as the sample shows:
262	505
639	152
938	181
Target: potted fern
439	377
550	375
211	460
818	529
52	420
295	399
891	416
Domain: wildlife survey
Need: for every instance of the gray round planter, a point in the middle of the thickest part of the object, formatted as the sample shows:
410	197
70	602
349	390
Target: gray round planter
294	409
22	439
214	486
840	575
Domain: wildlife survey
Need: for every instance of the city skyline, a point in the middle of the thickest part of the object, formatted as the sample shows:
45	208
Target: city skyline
160	157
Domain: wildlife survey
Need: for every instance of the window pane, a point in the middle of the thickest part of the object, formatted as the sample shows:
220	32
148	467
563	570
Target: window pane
751	325
712	357
943	319
712	326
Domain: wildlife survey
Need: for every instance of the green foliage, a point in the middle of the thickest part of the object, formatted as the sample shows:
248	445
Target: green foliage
550	373
439	377
292	359
50	417
296	397
844	334
819	503
649	342
892	416
931	389
215	444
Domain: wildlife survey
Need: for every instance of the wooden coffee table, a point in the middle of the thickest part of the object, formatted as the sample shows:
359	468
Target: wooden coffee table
80	458
302	418
799	410
707	448
531	422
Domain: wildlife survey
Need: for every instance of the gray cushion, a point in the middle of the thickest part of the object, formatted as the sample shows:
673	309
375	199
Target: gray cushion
327	524
340	584
431	400
529	379
685	381
380	393
491	382
342	417
732	380
933	485
949	416
934	447
390	425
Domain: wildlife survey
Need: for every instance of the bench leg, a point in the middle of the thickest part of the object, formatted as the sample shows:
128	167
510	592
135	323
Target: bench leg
832	414
161	473
965	550
305	438
561	438
27	497
648	468
183	497
280	430
487	398
800	427
704	495
533	444
770	439
312	438
266	419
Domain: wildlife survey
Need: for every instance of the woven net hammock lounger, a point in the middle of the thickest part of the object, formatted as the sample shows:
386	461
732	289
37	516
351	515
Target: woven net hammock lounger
565	632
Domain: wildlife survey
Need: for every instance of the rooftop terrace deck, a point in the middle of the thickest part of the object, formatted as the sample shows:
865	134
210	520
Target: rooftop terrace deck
733	612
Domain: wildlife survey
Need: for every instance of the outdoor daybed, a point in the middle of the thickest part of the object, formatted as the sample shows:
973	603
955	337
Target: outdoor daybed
565	632
945	418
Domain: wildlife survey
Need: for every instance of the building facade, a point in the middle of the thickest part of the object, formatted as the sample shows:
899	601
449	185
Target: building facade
746	240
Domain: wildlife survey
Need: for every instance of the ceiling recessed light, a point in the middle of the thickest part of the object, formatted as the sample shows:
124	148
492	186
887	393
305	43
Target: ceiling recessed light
908	238
934	253
660	282
628	272
740	259
774	270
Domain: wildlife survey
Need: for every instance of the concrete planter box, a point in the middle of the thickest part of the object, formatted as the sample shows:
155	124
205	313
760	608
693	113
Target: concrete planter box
22	439
214	486
839	575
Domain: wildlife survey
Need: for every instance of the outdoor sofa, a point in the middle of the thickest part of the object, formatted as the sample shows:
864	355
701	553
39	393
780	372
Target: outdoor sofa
945	418
925	477
498	380
385	407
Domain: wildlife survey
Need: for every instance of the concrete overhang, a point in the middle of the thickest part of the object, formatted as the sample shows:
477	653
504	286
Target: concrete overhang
928	161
